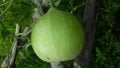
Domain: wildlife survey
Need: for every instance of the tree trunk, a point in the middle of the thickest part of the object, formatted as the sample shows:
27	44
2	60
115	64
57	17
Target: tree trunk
89	23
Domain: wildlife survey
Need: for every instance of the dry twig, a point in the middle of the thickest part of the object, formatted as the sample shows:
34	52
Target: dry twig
10	59
76	7
14	49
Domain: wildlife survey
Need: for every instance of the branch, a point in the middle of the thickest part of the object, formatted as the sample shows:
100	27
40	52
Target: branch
5	62
14	49
89	22
39	6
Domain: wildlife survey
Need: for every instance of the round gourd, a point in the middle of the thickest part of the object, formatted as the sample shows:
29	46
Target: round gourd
57	36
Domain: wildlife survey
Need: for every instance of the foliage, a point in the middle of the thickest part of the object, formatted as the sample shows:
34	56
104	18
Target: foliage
107	41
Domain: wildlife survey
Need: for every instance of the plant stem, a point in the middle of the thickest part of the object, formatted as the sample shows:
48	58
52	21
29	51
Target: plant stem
56	65
51	3
4	4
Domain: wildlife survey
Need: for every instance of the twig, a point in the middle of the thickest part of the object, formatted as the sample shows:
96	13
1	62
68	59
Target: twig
5	62
76	7
14	49
38	12
39	6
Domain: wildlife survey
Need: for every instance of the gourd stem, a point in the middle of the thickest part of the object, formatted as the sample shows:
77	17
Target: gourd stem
56	65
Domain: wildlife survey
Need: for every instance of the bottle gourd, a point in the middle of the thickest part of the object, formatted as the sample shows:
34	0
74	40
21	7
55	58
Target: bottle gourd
57	36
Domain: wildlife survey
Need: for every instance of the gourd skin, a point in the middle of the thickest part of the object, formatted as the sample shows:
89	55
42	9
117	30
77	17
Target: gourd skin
58	36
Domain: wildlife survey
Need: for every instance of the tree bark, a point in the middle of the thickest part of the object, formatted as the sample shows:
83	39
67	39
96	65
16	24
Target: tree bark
89	23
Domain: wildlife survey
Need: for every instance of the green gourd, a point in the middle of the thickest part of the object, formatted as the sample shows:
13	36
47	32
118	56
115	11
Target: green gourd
57	36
